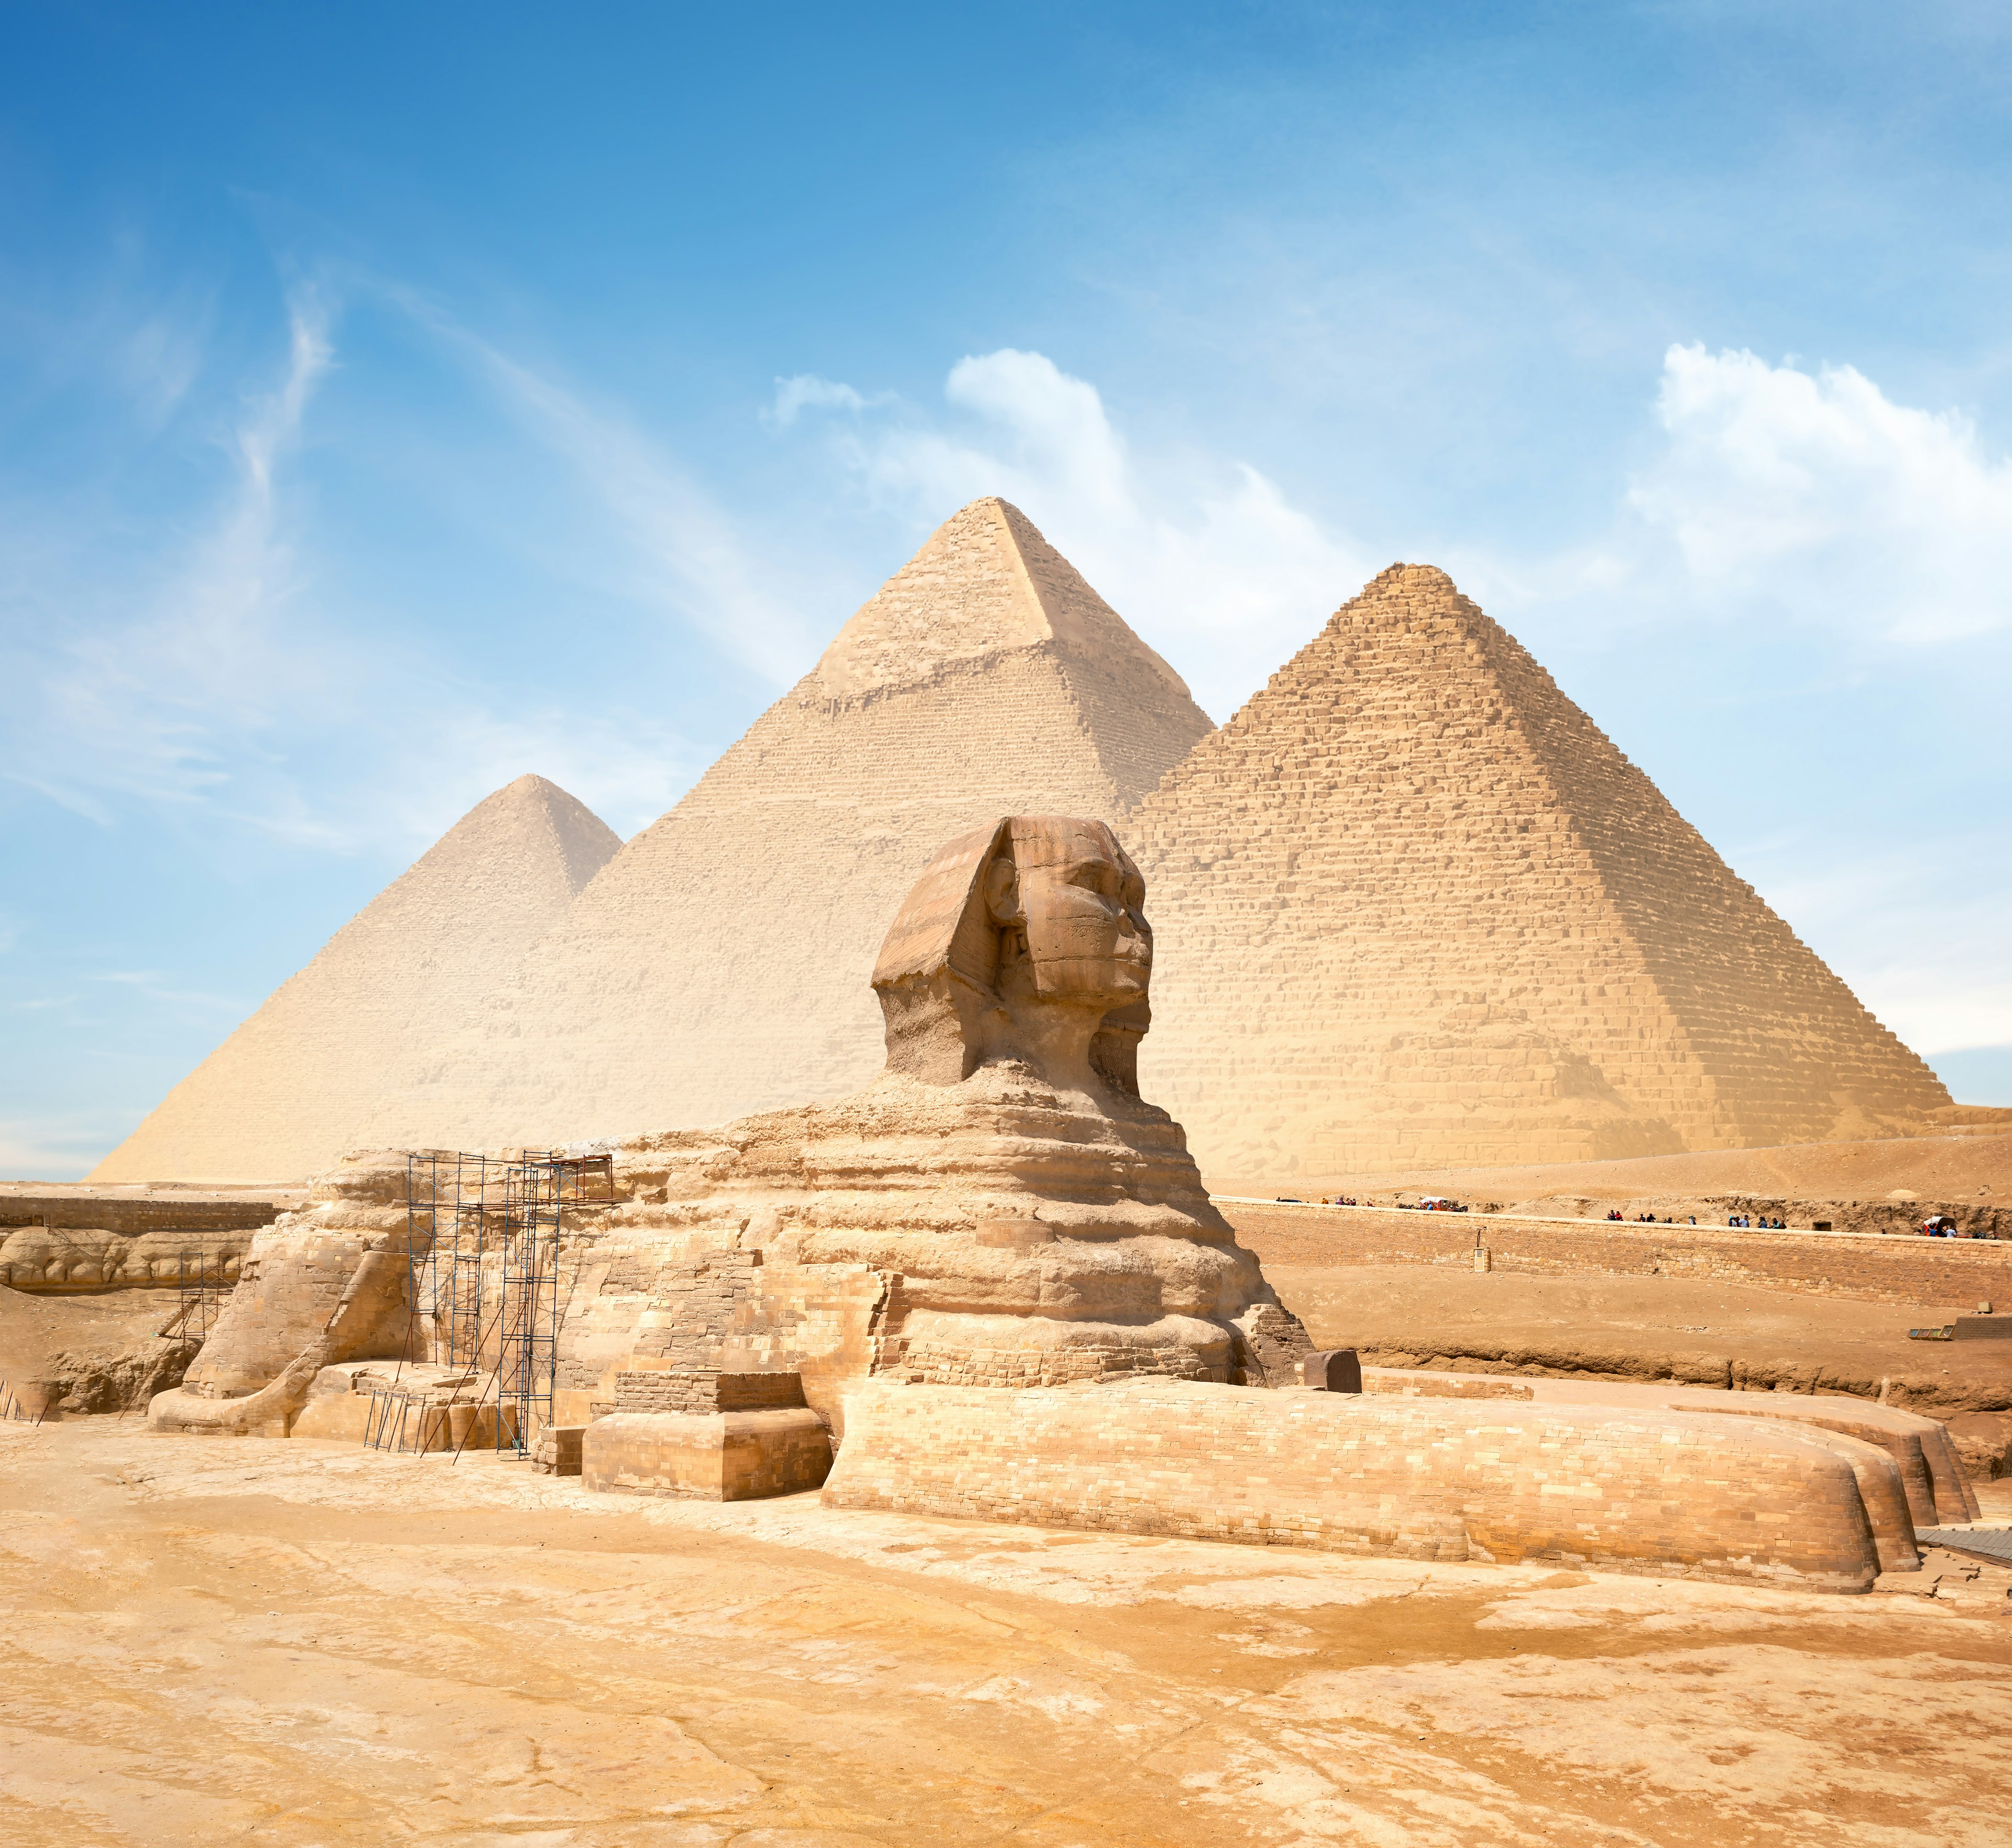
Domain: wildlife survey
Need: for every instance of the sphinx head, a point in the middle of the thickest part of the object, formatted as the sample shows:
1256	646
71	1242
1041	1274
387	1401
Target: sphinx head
1026	939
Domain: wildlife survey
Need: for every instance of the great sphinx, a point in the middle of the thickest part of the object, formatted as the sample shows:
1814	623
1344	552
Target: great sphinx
994	1282
999	1207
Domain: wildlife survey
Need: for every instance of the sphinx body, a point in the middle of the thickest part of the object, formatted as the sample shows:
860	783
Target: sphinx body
999	1207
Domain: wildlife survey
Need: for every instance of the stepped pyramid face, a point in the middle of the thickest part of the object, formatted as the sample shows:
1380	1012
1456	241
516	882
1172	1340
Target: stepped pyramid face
291	1088
719	964
1413	907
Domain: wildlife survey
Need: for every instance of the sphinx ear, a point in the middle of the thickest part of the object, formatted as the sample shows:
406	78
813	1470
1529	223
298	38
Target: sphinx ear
1002	891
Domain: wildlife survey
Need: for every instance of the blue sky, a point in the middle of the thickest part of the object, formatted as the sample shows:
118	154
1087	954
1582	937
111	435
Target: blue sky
394	400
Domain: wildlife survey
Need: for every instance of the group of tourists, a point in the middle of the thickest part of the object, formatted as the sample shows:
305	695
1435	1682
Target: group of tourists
1648	1218
1767	1225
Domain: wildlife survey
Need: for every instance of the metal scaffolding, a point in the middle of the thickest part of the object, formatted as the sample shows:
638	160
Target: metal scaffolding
200	1288
485	1237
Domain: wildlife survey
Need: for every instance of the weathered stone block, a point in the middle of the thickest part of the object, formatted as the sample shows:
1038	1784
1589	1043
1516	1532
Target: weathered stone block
1337	1370
733	1456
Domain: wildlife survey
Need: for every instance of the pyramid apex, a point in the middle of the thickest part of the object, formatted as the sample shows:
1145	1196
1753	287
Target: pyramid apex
533	803
1417	580
985	583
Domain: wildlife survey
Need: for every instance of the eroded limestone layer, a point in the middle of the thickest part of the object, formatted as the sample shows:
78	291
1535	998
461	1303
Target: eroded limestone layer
324	1284
998	1232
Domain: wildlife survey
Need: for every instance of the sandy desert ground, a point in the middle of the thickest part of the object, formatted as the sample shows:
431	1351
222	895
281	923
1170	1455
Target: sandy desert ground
213	1641
305	1643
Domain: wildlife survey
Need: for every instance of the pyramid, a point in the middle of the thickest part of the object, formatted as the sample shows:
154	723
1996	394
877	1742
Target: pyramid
290	1089
1412	907
717	966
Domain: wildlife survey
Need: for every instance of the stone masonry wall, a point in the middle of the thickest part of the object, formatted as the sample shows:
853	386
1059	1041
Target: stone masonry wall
130	1217
704	1391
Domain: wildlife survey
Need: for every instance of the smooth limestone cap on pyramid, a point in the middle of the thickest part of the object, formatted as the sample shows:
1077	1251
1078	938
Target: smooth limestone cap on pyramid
719	965
1412	907
292	1087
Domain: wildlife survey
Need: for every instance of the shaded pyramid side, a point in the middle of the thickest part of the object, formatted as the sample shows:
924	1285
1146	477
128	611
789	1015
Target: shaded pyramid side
1413	906
718	965
292	1087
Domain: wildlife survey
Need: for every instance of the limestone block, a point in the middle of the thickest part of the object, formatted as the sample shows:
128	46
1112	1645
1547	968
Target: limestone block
1931	1476
701	1391
344	1415
1338	1370
1906	1466
1443	1385
734	1456
558	1451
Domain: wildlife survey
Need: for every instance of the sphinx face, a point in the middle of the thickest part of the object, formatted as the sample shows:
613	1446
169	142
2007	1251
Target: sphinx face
1081	905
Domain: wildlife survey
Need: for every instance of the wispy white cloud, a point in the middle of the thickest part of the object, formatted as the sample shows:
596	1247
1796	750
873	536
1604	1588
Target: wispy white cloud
220	678
1204	554
57	1145
155	706
1922	946
1800	553
806	390
692	559
157	986
1810	508
123	332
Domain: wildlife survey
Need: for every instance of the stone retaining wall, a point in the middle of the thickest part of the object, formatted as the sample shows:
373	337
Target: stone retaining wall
1957	1273
130	1217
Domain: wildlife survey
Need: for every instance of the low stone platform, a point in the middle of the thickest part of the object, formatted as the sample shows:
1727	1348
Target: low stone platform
1674	1493
727	1456
707	1434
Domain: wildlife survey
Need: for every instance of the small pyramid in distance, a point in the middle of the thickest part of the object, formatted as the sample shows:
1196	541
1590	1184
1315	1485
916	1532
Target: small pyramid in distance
1469	931
717	965
289	1090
